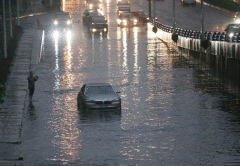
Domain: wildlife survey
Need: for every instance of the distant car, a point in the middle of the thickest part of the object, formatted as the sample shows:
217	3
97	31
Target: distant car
97	23
62	20
127	19
142	16
94	4
86	16
123	6
188	2
86	12
232	30
98	96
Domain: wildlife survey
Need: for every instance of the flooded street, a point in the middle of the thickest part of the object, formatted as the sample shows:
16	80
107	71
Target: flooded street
171	113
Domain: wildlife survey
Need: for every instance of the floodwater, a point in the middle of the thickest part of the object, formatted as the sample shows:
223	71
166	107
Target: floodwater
172	114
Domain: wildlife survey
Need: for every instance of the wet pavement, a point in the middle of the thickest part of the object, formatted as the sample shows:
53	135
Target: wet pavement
172	112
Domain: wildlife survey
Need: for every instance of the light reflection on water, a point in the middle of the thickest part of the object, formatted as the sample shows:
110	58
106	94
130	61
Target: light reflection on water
56	70
65	125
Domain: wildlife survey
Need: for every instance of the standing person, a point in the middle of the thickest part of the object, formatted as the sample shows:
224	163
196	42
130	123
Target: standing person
31	84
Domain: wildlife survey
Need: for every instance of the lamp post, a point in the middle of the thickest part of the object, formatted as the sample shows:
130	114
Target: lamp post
202	16
4	30
174	22
18	21
154	21
149	8
174	35
10	17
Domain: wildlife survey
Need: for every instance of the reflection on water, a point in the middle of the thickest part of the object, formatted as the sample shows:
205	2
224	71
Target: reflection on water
31	111
64	123
56	70
97	116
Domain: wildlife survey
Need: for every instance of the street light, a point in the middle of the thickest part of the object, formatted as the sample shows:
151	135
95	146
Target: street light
4	30
204	42
174	35
18	21
10	17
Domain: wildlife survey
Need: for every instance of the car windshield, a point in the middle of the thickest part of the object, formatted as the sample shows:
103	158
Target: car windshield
99	90
98	19
143	13
127	15
89	10
63	17
94	14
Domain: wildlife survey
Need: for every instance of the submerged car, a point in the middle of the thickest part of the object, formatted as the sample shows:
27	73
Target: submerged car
97	23
62	20
127	19
98	96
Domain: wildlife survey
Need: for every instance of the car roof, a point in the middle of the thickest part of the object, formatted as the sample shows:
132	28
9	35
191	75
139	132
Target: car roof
94	14
63	13
126	14
98	84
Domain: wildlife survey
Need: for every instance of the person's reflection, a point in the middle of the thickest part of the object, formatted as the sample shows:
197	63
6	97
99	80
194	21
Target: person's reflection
31	111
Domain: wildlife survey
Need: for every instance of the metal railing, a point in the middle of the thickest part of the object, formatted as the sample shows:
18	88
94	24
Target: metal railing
220	43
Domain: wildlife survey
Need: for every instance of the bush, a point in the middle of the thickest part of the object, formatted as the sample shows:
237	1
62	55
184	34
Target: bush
226	4
5	63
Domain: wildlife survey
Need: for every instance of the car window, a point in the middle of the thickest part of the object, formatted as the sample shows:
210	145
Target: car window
63	17
99	90
127	15
94	14
101	19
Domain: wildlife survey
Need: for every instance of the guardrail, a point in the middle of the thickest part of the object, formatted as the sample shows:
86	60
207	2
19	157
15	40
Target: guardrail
220	43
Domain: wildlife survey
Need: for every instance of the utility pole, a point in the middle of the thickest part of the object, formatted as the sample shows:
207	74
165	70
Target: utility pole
149	8
18	21
202	16
174	35
4	30
174	22
154	24
35	9
10	16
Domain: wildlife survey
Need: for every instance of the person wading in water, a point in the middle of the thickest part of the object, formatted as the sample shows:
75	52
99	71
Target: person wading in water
31	84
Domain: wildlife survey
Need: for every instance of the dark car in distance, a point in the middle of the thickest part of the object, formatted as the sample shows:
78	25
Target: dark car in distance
127	19
142	16
98	96
87	15
97	23
62	20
